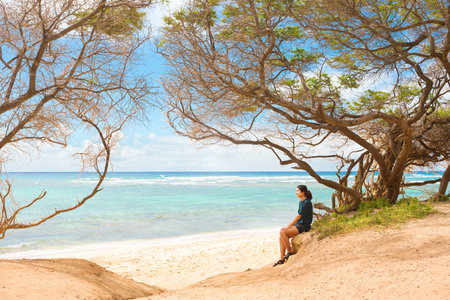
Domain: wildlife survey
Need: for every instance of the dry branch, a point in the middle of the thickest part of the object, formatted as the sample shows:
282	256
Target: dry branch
63	68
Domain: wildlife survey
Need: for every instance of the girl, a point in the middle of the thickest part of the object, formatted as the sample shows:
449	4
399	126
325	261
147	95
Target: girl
301	223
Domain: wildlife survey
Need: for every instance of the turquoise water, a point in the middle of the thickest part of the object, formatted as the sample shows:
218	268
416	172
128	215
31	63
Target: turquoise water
155	205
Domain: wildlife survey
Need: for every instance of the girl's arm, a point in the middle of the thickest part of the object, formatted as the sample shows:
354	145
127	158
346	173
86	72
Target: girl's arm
293	222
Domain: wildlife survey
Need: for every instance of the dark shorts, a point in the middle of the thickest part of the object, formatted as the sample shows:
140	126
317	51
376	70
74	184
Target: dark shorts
302	227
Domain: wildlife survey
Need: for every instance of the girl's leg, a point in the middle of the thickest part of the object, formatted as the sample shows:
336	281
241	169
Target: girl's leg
285	235
282	248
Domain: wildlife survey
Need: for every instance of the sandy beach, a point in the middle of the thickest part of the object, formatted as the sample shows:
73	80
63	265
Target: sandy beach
409	261
174	263
179	265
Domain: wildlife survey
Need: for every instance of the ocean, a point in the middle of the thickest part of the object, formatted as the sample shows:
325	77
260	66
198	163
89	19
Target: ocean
154	205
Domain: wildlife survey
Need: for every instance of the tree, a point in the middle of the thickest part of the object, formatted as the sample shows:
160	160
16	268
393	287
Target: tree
67	65
290	76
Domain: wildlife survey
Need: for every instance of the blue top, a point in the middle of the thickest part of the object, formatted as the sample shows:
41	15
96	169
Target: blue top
305	209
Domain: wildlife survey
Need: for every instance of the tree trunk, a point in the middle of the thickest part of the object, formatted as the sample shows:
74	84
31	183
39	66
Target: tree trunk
392	194
444	181
393	189
333	200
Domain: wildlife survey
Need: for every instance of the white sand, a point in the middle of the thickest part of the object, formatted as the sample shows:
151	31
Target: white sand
174	263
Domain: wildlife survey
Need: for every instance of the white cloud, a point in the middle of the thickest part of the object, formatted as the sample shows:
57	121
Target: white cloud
179	154
163	153
50	158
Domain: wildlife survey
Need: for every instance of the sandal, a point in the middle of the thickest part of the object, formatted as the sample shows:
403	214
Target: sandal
286	257
280	262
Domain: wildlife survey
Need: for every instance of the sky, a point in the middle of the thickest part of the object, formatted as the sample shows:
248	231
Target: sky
155	147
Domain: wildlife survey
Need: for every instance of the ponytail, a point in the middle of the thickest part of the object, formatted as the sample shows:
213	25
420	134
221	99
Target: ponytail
308	195
305	190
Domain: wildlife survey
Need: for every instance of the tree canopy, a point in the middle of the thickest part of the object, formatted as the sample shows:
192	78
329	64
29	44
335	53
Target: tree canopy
66	65
370	78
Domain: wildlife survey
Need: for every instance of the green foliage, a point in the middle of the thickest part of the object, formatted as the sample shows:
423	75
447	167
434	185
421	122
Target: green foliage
382	101
322	85
115	22
231	11
161	43
407	93
374	213
373	204
250	109
289	82
346	60
199	15
442	113
441	198
300	54
289	32
370	100
348	81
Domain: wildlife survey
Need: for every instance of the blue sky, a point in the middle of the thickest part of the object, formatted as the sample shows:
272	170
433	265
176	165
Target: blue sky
156	147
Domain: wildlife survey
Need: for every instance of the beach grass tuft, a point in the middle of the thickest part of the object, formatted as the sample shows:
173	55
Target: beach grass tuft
378	212
441	198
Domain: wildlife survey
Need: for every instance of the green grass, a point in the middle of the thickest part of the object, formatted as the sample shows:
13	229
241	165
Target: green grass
375	213
441	198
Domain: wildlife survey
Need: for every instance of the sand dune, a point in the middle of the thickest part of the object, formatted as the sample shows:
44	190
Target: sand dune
65	279
410	261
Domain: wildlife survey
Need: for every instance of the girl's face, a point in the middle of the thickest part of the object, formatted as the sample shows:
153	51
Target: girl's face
299	193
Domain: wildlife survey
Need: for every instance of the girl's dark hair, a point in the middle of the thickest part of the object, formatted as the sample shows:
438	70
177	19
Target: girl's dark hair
304	189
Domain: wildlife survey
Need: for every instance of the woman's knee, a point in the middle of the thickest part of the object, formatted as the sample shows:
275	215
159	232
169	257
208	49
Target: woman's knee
291	232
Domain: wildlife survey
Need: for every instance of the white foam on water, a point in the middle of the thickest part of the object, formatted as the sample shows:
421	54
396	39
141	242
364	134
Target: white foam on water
18	246
199	180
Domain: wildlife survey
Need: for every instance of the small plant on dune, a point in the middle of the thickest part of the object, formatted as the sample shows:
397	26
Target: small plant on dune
440	198
378	212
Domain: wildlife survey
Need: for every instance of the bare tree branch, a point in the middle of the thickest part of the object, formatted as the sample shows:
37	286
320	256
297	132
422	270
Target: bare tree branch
67	65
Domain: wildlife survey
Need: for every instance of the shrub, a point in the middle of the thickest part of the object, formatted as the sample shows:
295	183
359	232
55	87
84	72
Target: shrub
378	212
